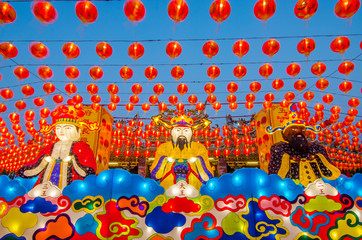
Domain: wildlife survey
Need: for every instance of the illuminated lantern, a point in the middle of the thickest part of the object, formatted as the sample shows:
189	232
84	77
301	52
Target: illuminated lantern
220	10
38	50
318	107
232	87
180	107
255	87
173	49
112	106
20	105
192	99
267	104
305	9
293	69
96	73
27	90
211	98
209	88
306	46
44	12
278	84
136	88
44	112
162	107
300	85
210	49
173	99
48	88
45	72
14	118
21	72
135	10
58	99
289	96
233	106
126	73
239	71
92	88
8	50
353	102
70	50
346	67
266	70
150	73
328	98
352	112
129	107
70	88
182	89
231	98
177	72
177	10
29	115
345	86
199	107
136	50
284	103
3	108
216	106
340	44
77	99
146	107
153	99
38	102
318	68
86	11
308	96
250	97
249	105
240	48
72	72
158	89
7	13
271	47
346	8
96	99
104	50
112	89
264	9
322	84
269	97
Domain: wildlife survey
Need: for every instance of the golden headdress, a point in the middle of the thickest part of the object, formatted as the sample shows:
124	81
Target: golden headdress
181	120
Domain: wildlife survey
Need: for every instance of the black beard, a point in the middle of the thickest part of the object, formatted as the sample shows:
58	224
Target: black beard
299	143
181	142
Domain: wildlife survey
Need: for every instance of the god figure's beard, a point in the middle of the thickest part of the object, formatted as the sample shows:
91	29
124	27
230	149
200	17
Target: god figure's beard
299	143
181	142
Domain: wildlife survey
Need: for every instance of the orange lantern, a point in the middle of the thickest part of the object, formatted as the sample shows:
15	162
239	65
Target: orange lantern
328	98
354	102
233	106
255	87
29	115
250	97
150	73
346	8
21	72
173	99
322	84
220	10
72	72
44	112
158	89
92	88
199	107
293	69
96	72
210	49
86	11
112	106
146	107
58	99
153	99
211	98
241	48
7	13
319	107
104	50
112	89
27	90
136	88
3	108
44	11
318	68
271	47
213	72
177	72
239	71
126	73
306	46
129	107
266	70
38	50
180	107
345	86
231	98
173	49
70	50
20	105
264	9
48	88
267	104
7	93
216	106
136	50
70	88
269	97
305	9
209	88
346	67
249	105
135	10
192	99
96	99
38	102
289	96
182	89
45	72
340	44
308	96
232	87
162	107
284	103
8	50
177	10
278	84
300	85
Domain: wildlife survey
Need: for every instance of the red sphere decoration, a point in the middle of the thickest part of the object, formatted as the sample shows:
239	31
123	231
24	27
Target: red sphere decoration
180	107
173	49
39	50
278	84
318	68
21	72
293	69
354	102
300	85
306	46
96	73
146	107
271	47
7	13
232	87
158	89
153	99
220	10
250	97
92	88
8	50
86	11
135	10
29	115
289	96
182	89
213	72
233	106
266	70
96	99
328	98
44	12
136	88
249	105
269	97
322	84
136	50
209	88
340	44
27	90
255	87
104	50
48	88
162	107
216	106
45	72
20	105
70	50
177	72
112	89
240	48
345	86
44	112
239	71
346	8
231	98
177	10
116	99
346	67
199	107
151	73
211	98
129	107
305	9
58	99
264	9
38	102
70	88
126	73
308	96
72	72
173	99
192	99
210	49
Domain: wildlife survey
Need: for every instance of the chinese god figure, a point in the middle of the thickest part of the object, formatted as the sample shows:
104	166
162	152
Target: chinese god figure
68	159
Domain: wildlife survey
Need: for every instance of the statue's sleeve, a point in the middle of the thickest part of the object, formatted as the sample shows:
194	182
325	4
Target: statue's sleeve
159	164
203	165
84	162
35	167
276	156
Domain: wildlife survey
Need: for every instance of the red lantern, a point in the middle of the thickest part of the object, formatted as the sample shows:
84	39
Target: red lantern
38	50
45	72
112	89
255	87
44	11
96	99
20	105
150	73
146	107
96	72
92	88
249	105
318	68
192	99
210	49
305	9
308	96
3	108
289	96
306	46
340	44
233	106
86	11
199	106
112	107
220	10
158	89
173	99
129	107
126	73
136	88
70	50
250	97
162	107
353	102
346	67
209	88
239	71
29	115
173	49
182	89
72	72
211	98
231	98
269	97
284	103
293	69
177	72
7	13
48	88
153	99
271	47
70	88
240	48
328	98
104	50
300	85
44	112
77	99
345	86
267	104
39	102
232	87
322	84
346	8
27	90
58	99
264	9
21	72
136	50
278	84
177	10
216	106
266	70
8	50
318	107
213	72
180	107
135	10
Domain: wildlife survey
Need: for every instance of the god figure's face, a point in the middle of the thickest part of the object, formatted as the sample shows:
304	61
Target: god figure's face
67	132
181	133
294	130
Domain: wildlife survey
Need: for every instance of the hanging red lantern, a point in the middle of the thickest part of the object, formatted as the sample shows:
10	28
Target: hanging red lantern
21	72
3	108
96	73
136	88
318	68
58	99
86	11
77	99
308	96
177	72
199	107
266	70
38	102
241	48
129	107
182	89
173	49
213	72
346	67
8	50
20	105
328	98
232	87
44	112
250	97
150	73
173	99
345	86
271	47
209	88
153	99
269	97
293	69
158	89
211	98
319	107
231	98
136	50
278	84
192	99
7	13
255	87
340	44
264	9
72	72
249	105
177	10
210	49
353	102
70	88
322	84
305	9
162	107
220	10
96	99
112	89
135	10
126	73
300	85
239	71
48	88
29	115
233	106
306	46
216	106
44	12
146	107
70	50
289	96
92	88
45	72
346	8
38	50
180	107
104	50
267	104
284	103
27	90
112	107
